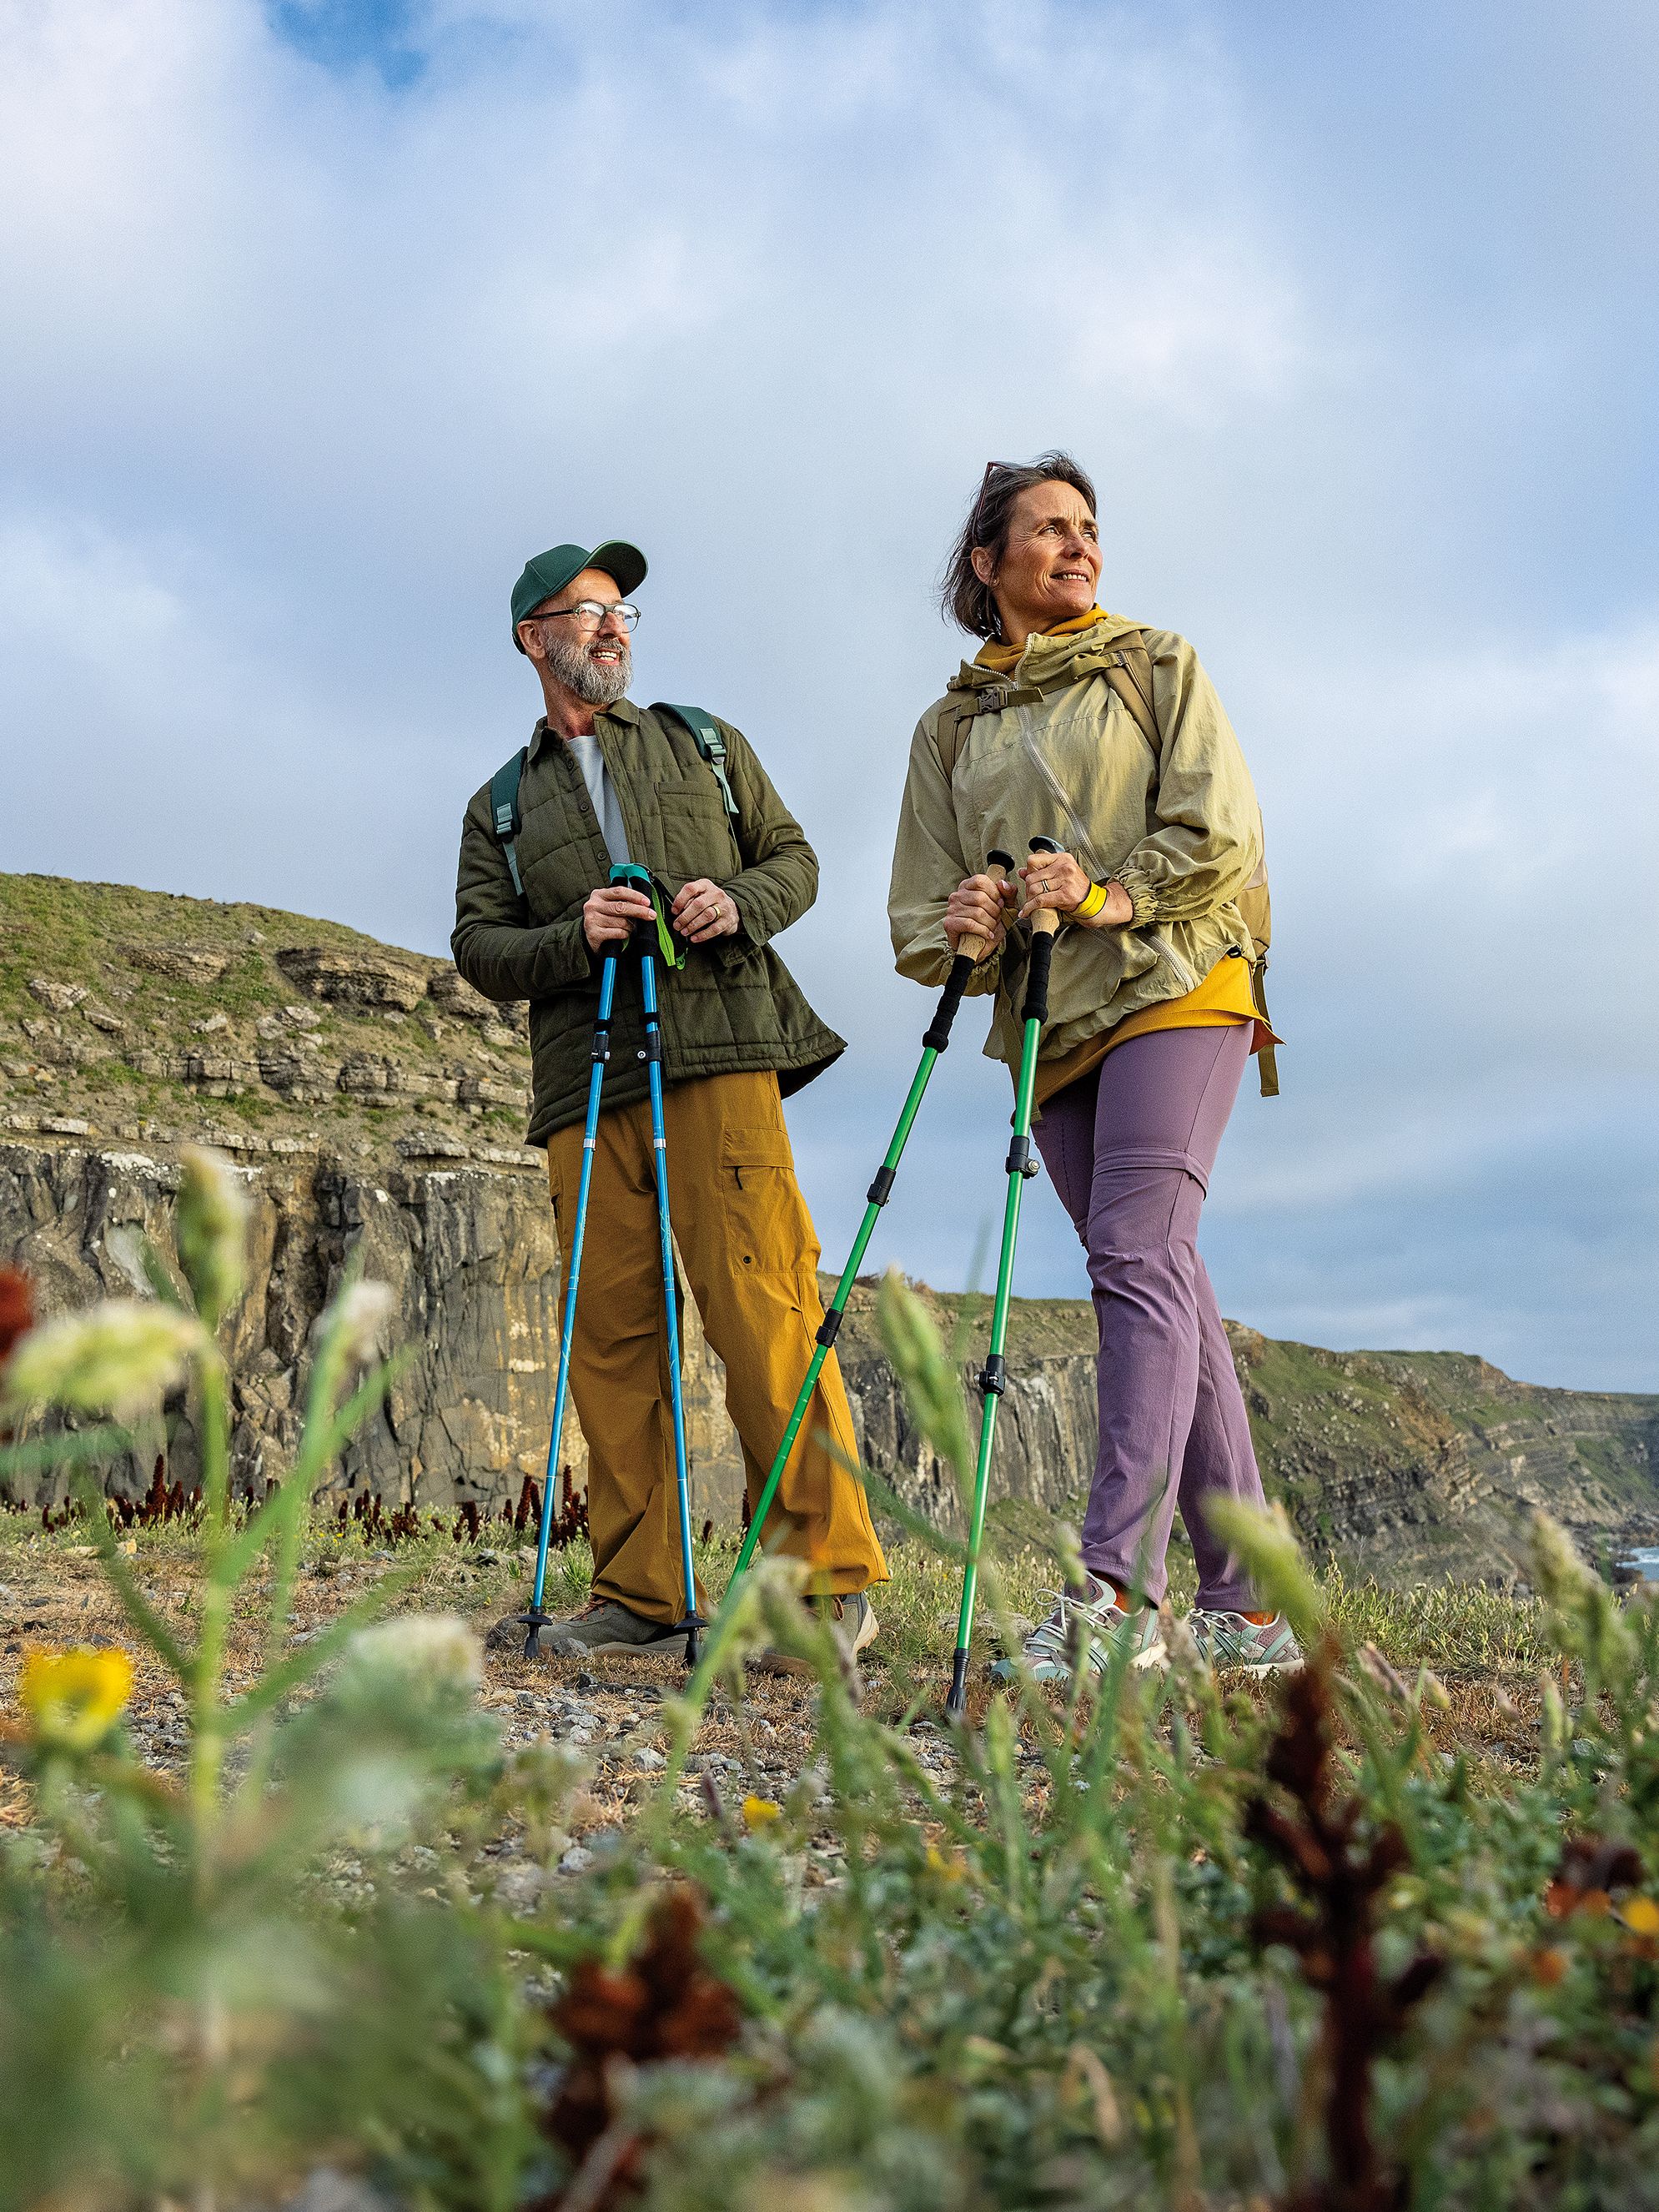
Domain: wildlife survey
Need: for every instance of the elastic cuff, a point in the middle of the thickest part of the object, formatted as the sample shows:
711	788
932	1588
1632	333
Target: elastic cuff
1143	894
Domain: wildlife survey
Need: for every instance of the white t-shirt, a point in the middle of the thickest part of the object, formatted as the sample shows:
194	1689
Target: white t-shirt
595	775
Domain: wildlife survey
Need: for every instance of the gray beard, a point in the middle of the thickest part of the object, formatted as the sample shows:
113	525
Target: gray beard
594	685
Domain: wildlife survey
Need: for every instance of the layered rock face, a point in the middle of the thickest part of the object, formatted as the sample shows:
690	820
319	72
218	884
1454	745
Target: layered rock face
373	1103
470	1254
1404	1465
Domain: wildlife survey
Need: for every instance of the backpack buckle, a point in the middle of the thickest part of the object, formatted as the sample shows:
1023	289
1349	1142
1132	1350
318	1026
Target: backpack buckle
991	699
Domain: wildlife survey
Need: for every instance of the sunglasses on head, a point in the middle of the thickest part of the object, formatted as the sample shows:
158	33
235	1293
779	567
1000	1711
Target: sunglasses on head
991	469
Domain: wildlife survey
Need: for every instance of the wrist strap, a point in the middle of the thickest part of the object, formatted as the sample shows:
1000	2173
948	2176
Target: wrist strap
1091	905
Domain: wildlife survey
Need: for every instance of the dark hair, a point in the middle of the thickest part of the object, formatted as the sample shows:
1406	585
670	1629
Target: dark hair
970	604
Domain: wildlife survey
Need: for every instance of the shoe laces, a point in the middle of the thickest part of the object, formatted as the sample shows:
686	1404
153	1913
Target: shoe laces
1067	1602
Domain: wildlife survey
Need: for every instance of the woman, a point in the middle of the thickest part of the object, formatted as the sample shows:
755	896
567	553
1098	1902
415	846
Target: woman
1152	1014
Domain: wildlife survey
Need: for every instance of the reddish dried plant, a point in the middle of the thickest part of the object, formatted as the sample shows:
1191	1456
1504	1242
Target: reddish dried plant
1590	1870
16	1309
664	2003
1339	1877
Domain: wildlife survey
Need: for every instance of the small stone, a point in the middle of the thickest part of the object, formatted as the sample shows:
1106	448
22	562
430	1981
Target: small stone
61	998
576	1860
519	1888
652	1761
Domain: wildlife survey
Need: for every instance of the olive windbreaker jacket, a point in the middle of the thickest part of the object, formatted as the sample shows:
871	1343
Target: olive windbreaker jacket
1181	831
734	1008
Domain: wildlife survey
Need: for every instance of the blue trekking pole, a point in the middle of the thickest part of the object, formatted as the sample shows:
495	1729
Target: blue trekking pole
535	1620
693	1623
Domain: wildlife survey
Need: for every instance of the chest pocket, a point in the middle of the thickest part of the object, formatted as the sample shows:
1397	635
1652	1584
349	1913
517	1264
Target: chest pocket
696	834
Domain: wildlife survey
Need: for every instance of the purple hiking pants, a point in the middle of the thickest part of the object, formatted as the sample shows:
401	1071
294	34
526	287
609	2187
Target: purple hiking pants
1130	1150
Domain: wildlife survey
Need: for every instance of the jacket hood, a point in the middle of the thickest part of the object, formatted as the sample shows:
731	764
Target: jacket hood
1044	656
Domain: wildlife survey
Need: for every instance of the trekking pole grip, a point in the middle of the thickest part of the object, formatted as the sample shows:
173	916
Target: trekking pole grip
997	865
970	951
1042	924
1045	921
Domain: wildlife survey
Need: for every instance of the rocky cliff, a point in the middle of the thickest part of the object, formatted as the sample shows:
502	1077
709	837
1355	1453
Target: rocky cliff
374	1105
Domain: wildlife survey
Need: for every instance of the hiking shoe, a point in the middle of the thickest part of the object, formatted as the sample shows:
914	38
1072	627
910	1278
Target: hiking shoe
1233	1640
1096	1624
851	1621
602	1624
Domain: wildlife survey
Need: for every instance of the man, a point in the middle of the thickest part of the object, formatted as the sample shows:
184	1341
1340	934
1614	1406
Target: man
606	782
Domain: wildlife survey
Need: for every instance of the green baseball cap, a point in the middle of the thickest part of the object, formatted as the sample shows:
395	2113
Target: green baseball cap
551	572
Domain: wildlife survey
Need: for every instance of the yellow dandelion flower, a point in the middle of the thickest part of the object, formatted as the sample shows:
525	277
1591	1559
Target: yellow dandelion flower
947	1870
74	1697
760	1813
1641	1916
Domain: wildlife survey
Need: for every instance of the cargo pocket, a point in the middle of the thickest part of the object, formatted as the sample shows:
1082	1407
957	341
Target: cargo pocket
770	1231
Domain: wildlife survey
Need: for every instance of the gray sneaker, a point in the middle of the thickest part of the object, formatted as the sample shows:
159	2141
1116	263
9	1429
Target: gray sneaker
602	1624
852	1622
1098	1624
1232	1641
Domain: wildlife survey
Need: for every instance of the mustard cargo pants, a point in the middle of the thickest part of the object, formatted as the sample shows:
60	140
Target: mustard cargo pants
749	1250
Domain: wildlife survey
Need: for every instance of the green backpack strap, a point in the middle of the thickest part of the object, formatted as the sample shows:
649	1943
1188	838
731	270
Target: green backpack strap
505	818
705	735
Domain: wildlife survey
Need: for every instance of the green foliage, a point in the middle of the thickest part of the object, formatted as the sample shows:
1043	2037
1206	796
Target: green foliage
1090	1951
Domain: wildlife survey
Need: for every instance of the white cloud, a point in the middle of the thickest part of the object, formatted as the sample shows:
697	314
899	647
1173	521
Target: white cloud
303	367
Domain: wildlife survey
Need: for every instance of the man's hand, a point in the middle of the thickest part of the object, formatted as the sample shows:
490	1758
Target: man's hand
702	910
609	912
978	908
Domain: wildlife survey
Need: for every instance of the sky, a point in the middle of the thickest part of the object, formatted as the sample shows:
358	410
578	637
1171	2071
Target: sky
323	317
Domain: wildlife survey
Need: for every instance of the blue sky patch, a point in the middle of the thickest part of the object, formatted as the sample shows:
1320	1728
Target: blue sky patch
343	36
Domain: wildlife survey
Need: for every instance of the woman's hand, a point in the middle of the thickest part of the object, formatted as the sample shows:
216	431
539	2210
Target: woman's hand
609	912
1053	880
702	910
978	908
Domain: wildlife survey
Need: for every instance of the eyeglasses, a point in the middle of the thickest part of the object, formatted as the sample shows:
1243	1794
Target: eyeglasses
590	613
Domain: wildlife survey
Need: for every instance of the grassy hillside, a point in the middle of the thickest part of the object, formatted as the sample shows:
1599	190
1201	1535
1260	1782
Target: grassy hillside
134	1014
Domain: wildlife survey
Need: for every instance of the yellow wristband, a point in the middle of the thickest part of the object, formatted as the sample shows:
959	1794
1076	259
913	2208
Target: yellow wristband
1091	906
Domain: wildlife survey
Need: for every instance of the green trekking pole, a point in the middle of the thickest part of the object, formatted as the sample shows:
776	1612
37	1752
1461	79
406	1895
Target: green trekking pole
993	1376
970	951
